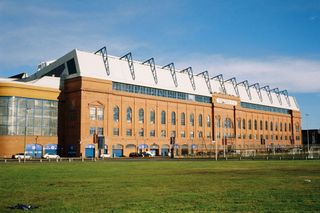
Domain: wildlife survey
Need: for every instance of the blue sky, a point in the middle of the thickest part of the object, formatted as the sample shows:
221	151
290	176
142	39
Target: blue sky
272	42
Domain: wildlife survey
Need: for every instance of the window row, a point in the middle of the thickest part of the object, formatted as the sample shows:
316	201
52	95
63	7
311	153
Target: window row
152	133
159	92
163	117
264	108
256	137
242	124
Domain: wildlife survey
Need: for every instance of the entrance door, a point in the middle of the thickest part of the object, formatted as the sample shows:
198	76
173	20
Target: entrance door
90	151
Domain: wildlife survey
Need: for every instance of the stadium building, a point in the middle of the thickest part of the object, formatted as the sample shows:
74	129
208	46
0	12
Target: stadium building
85	104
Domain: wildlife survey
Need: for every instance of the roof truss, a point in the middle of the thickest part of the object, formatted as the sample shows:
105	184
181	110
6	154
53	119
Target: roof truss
267	89
246	86
205	74
153	68
257	87
234	84
128	57
173	72
104	55
286	95
220	79
190	74
276	91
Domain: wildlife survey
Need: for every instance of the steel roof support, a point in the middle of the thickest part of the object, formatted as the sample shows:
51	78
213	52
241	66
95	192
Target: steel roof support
267	89
173	72
276	91
257	87
220	79
234	84
246	86
153	68
128	57
190	73
205	74
104	55
285	93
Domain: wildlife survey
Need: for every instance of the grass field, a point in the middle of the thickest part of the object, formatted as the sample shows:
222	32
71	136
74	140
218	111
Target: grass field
163	186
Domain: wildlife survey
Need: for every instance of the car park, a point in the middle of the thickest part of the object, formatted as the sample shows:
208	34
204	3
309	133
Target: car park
21	156
51	156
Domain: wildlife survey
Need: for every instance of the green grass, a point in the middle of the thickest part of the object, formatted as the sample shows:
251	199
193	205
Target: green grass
162	186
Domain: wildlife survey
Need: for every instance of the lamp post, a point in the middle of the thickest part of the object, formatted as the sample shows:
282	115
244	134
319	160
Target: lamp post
25	132
307	115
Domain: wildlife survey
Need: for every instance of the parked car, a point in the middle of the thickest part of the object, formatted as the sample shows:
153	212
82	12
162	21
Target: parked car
20	156
51	156
147	154
105	156
135	155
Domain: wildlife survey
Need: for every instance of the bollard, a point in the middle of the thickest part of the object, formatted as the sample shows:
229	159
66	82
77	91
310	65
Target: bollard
5	160
69	160
280	157
40	160
19	160
267	157
82	159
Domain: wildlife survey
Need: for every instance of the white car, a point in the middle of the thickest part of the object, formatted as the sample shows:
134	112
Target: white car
105	156
20	156
51	156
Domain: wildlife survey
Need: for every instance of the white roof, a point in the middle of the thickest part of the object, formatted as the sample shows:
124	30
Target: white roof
92	65
46	81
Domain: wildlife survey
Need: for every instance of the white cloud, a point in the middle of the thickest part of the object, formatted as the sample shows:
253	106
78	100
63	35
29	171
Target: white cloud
293	74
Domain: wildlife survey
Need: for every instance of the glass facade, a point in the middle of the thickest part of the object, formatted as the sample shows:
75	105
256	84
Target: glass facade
37	117
159	92
264	108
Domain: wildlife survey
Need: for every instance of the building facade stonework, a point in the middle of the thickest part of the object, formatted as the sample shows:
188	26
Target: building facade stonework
132	109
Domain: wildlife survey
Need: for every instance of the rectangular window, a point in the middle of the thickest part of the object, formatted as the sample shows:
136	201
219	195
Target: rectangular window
100	131
182	134
191	134
92	113
129	132
92	130
163	133
173	134
116	131
152	133
141	132
100	113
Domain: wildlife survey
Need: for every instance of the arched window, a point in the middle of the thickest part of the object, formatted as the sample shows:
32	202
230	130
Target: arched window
129	115
266	125
217	121
285	127
116	114
163	117
281	126
289	127
255	125
239	123
152	116
271	126
244	124
261	125
191	119
200	120
276	126
141	115
227	123
249	124
208	121
183	119
173	118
